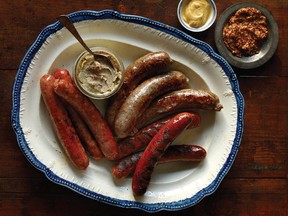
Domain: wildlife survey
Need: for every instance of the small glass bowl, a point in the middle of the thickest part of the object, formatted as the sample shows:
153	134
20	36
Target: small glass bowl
207	25
85	82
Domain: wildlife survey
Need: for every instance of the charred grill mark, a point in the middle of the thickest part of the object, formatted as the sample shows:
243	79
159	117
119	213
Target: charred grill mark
153	159
185	152
141	138
149	134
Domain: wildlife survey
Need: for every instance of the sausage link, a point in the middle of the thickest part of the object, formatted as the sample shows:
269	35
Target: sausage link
180	100
142	138
126	165
81	128
146	66
174	153
62	123
140	98
90	114
84	134
155	149
62	74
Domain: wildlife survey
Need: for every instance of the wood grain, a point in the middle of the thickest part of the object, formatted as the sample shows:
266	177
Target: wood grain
257	183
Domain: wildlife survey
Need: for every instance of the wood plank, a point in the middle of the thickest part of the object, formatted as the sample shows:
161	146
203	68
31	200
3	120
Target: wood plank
257	181
233	197
25	24
275	66
264	146
31	18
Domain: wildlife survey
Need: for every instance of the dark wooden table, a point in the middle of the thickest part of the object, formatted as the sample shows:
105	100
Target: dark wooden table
257	182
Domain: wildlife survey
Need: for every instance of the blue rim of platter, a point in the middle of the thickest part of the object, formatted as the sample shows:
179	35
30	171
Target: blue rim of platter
110	14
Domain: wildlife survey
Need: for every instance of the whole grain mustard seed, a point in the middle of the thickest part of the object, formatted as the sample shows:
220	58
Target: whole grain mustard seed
245	32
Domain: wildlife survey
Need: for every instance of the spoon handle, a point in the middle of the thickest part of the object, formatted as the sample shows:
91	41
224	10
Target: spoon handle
70	26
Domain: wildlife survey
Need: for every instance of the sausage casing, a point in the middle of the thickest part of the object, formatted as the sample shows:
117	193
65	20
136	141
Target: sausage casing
155	149
140	98
62	123
84	134
81	128
90	114
142	138
146	66
174	153
180	100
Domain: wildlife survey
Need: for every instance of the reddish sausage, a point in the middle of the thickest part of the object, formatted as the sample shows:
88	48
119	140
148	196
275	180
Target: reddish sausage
173	153
62	123
80	126
126	165
180	100
146	66
90	114
141	97
155	149
140	139
143	137
62	74
85	135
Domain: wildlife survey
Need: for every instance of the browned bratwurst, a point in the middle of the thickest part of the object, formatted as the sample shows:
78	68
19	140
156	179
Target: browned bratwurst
174	153
90	114
179	100
149	65
62	123
140	98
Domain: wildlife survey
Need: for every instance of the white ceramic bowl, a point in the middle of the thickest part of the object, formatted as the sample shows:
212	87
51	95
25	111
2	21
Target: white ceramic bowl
204	27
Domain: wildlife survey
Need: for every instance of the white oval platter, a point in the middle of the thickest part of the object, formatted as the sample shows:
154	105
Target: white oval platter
173	186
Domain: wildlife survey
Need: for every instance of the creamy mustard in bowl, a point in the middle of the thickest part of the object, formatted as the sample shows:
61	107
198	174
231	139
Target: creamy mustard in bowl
98	78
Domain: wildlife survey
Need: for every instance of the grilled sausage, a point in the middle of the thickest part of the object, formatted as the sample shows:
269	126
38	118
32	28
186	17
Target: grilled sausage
62	74
141	97
155	149
142	138
81	128
148	65
84	134
174	153
62	123
90	114
180	100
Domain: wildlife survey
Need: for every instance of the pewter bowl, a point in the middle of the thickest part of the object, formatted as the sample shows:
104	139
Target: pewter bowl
268	48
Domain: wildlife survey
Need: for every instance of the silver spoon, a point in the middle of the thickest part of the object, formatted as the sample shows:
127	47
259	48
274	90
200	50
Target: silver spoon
70	26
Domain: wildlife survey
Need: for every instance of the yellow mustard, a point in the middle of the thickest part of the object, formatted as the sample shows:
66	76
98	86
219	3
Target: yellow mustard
196	12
